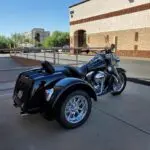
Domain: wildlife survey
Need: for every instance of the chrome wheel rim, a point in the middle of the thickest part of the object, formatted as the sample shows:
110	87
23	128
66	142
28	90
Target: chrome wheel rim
117	87
76	109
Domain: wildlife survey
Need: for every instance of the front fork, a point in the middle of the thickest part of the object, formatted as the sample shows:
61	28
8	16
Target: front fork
116	74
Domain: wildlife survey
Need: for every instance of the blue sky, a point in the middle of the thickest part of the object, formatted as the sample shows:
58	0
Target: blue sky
23	15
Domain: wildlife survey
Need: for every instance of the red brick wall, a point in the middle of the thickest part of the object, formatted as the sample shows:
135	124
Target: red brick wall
25	61
134	53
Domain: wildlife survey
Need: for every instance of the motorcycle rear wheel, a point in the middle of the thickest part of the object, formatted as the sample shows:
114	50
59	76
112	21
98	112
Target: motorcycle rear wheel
67	116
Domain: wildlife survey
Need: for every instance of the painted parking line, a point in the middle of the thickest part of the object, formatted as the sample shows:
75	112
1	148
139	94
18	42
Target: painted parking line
7	94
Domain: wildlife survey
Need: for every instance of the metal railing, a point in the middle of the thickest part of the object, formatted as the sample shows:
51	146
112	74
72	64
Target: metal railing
58	55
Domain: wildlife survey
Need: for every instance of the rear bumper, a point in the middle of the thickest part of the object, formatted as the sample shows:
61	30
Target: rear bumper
19	104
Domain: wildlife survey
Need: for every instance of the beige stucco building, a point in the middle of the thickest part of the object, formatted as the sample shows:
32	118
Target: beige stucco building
126	23
37	34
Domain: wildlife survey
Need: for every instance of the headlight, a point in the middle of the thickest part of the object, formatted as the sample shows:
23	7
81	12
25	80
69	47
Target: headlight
49	93
109	68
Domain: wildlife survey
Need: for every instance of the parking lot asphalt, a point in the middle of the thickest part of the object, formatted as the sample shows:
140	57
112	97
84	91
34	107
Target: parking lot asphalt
9	69
116	123
7	62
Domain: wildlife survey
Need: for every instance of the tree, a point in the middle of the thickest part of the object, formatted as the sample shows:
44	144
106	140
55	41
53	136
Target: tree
27	40
3	42
11	44
57	39
18	38
6	42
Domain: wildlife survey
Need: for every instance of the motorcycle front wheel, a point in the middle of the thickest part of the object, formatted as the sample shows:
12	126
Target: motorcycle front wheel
119	87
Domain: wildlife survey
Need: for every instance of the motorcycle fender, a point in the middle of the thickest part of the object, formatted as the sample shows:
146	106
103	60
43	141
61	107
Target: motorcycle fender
113	77
67	85
121	70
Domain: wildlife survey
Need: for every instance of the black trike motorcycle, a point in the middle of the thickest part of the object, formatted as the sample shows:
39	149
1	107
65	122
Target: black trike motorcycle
65	93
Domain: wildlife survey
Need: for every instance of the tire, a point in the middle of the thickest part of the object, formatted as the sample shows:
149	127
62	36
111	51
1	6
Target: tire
114	93
61	115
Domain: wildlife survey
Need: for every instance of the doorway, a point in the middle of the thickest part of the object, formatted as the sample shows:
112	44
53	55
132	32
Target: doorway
80	38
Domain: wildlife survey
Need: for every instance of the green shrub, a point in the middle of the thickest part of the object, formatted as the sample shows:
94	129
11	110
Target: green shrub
57	39
6	42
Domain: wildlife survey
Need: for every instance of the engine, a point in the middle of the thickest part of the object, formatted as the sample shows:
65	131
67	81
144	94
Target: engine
99	80
99	77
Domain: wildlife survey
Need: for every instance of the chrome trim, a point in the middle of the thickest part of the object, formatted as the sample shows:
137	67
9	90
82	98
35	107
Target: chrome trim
49	93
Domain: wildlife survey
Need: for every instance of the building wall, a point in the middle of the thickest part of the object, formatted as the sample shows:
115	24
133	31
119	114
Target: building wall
28	35
97	7
126	39
92	16
43	34
123	22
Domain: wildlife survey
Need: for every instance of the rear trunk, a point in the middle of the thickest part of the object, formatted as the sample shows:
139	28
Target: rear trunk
24	85
29	92
22	90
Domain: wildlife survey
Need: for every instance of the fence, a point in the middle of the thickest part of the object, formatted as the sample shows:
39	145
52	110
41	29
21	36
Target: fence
58	55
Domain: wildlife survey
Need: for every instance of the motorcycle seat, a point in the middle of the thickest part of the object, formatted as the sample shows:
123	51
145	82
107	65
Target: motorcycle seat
48	67
62	69
78	72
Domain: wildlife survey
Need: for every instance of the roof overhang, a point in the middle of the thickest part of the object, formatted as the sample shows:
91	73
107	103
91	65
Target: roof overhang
78	3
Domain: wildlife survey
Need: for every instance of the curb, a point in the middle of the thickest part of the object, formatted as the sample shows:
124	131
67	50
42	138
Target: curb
26	62
8	89
6	81
139	81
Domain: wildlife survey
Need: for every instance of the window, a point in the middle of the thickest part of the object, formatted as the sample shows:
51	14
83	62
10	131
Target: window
88	39
72	13
135	47
136	36
107	39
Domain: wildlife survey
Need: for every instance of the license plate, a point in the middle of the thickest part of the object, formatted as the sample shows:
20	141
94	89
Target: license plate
20	93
